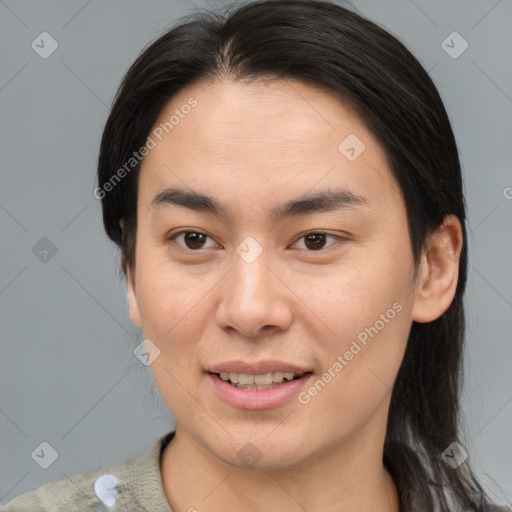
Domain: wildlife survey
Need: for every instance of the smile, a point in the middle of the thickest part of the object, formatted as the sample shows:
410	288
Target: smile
250	395
261	381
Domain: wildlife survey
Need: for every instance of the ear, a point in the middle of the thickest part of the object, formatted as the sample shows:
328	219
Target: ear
133	305
438	271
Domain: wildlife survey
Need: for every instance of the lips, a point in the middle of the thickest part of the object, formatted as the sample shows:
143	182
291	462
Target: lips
258	397
258	385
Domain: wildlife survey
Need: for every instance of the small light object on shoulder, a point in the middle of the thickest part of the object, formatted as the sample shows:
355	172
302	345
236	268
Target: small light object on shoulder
105	489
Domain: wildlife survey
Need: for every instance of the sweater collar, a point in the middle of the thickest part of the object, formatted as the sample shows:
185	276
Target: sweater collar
146	475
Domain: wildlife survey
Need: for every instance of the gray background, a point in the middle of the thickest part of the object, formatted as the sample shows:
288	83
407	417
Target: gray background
68	375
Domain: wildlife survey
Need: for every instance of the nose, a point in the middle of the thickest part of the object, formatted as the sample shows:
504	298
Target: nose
255	300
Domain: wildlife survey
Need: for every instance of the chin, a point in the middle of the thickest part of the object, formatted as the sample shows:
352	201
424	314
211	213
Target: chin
259	450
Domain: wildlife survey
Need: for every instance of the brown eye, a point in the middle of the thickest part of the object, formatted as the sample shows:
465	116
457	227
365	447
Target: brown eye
193	240
316	240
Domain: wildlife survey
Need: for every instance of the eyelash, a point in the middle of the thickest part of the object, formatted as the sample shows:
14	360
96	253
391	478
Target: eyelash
338	238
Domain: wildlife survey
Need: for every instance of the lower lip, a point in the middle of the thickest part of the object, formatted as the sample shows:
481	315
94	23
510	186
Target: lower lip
258	399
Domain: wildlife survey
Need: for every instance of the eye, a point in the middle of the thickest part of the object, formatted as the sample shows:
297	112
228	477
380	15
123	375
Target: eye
315	240
193	240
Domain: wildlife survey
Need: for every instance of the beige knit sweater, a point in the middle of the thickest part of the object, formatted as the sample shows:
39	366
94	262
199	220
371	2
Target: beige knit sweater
138	483
139	488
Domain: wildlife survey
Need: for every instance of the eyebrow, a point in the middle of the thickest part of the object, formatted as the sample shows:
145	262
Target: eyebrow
323	201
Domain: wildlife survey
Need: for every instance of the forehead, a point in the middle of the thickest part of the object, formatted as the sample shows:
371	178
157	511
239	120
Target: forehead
262	140
253	116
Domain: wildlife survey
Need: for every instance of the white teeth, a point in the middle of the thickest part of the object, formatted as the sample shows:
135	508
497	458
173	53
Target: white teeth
244	378
261	381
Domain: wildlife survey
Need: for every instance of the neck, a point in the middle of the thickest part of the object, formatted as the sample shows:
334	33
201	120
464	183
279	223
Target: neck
348	478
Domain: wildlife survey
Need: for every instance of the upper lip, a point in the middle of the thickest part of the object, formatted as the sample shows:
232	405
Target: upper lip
257	368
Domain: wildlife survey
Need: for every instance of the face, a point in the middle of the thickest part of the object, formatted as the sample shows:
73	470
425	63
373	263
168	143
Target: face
300	263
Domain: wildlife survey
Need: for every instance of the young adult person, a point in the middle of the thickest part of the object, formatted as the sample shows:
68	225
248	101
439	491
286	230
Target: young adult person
285	188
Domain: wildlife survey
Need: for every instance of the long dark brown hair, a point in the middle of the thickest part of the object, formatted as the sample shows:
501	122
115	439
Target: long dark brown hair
340	51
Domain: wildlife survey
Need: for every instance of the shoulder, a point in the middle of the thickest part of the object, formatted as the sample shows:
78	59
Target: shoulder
122	484
28	502
75	493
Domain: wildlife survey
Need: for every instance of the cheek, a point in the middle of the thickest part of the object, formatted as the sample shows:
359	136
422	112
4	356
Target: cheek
174	306
165	293
367	309
354	297
361	359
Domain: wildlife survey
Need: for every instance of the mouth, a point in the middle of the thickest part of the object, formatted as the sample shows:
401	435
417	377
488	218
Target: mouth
258	385
250	394
260	381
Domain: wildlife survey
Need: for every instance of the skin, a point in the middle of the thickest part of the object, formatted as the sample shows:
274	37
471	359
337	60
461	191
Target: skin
253	146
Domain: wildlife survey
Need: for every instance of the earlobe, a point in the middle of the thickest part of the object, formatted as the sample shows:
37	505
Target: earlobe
438	272
133	305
